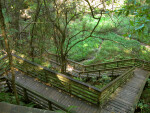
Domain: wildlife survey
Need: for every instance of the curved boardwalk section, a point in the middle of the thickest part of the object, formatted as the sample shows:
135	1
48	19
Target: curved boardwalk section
123	99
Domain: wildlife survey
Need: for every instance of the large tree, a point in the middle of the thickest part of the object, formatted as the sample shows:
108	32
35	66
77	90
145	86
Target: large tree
61	14
4	34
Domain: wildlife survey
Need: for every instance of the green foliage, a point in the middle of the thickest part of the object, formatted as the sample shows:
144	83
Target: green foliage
144	103
143	106
140	24
10	98
68	111
84	49
116	45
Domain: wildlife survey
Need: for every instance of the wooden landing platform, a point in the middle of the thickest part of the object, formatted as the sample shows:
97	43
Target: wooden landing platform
10	108
125	98
121	101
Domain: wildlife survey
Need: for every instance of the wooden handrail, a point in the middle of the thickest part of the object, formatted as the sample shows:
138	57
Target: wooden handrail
107	90
92	71
3	57
61	81
108	62
35	64
118	78
70	85
49	100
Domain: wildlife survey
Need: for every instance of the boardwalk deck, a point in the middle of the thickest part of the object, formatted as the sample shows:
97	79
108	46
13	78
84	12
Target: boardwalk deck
121	101
125	97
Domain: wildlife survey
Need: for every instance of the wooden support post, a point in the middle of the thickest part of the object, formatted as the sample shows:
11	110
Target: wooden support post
99	101
79	74
25	95
134	61
99	73
46	77
49	105
87	75
117	64
105	66
112	72
93	67
69	87
7	82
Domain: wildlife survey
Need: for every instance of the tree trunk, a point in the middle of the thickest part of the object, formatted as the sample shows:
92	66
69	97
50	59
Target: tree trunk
112	8
33	28
1	42
3	29
63	64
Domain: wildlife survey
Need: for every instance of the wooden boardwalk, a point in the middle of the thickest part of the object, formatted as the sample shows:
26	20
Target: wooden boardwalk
121	101
125	97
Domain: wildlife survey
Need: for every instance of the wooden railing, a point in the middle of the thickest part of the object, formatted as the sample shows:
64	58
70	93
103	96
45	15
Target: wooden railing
141	63
63	82
109	72
112	86
44	102
3	64
3	83
135	103
110	65
31	96
55	59
74	87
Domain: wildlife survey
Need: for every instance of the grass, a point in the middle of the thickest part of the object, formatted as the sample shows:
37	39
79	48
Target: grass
115	47
8	97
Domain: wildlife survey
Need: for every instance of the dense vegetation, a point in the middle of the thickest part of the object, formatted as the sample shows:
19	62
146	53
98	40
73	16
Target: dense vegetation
85	31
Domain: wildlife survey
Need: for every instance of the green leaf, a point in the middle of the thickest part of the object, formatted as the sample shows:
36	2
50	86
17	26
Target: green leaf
140	27
127	13
125	35
132	23
129	36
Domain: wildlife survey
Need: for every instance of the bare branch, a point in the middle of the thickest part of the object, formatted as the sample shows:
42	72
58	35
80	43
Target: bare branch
92	12
73	37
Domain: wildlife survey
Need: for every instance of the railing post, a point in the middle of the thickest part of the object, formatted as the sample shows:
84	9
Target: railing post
25	95
79	74
46	78
112	72
69	87
99	73
49	105
99	102
93	67
7	82
134	61
84	68
105	66
87	75
117	64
